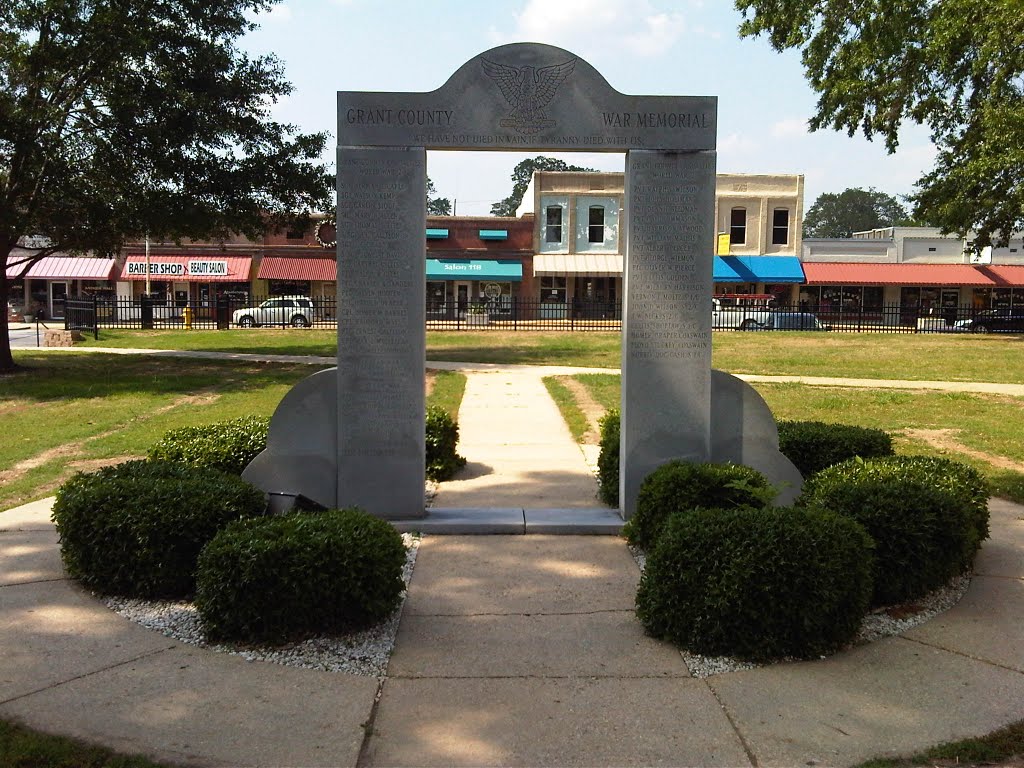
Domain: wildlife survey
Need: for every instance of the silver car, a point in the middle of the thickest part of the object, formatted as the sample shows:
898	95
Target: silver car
296	311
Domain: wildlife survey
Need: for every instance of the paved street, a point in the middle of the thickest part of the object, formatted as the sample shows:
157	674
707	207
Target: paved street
22	335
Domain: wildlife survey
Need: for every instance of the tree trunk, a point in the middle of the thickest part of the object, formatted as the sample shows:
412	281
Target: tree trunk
6	358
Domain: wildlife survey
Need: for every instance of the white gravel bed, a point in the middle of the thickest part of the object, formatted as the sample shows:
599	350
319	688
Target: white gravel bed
359	653
887	621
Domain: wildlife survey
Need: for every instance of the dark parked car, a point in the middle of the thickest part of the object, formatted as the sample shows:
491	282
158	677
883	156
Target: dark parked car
1006	320
791	321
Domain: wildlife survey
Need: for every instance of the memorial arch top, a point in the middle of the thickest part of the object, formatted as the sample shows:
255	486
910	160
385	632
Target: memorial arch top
527	96
362	425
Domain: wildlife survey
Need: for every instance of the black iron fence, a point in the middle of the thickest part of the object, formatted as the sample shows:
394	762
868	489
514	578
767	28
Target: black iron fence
508	313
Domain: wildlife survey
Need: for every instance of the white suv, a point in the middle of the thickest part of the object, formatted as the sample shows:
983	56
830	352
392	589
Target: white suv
292	310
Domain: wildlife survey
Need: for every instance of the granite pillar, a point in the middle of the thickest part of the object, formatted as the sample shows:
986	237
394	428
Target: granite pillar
666	334
381	334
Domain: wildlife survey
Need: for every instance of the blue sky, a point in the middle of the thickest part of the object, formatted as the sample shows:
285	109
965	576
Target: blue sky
686	47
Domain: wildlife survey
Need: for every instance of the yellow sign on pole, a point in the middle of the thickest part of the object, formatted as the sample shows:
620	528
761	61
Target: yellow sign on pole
723	243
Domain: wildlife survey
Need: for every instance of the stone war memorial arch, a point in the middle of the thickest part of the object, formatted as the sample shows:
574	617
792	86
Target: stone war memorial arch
354	435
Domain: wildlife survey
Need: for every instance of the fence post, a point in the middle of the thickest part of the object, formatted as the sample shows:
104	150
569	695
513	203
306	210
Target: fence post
147	313
222	308
95	317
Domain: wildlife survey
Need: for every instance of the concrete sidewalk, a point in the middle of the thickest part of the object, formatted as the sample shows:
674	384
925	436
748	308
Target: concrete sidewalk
519	451
512	650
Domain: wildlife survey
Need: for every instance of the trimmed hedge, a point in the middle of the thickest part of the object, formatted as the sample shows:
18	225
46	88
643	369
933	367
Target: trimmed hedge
923	514
136	529
813	445
608	459
757	583
963	481
442	435
275	578
679	486
228	445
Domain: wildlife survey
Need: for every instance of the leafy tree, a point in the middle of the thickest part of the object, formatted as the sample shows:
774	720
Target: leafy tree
521	176
853	210
125	119
437	206
956	66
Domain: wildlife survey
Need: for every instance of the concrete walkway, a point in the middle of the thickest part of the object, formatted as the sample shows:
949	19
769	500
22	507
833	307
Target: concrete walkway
512	651
519	451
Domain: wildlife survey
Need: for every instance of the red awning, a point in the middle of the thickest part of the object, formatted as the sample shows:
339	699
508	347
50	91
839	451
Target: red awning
64	268
1003	275
297	268
188	269
912	274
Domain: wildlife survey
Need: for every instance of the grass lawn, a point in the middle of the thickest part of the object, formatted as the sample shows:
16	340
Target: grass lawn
22	747
977	429
940	357
1002	747
72	411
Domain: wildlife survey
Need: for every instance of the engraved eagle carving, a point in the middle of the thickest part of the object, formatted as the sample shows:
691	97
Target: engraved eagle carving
528	90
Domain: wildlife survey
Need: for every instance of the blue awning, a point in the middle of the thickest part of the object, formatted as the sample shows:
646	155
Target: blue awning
504	270
758	269
493	234
437	234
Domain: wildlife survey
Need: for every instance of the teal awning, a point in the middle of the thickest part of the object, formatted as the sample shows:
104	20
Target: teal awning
758	269
437	234
503	270
494	234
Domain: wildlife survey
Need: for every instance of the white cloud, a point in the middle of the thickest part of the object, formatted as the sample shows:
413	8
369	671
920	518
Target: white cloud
736	144
794	127
636	26
659	35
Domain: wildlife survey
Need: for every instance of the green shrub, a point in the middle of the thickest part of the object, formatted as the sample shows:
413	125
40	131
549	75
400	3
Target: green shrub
275	578
228	445
922	515
608	459
136	529
963	481
680	486
814	445
757	583
442	433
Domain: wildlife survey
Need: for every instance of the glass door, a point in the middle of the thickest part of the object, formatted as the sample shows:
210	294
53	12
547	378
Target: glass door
58	292
462	298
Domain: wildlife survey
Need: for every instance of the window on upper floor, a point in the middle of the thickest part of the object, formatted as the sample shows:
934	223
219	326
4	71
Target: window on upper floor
780	226
595	230
738	226
553	224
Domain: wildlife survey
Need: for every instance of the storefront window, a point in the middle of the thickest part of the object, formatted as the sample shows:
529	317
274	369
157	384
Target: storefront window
1018	298
435	296
930	298
16	296
289	287
981	298
97	288
873	298
910	297
552	289
810	298
1002	298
